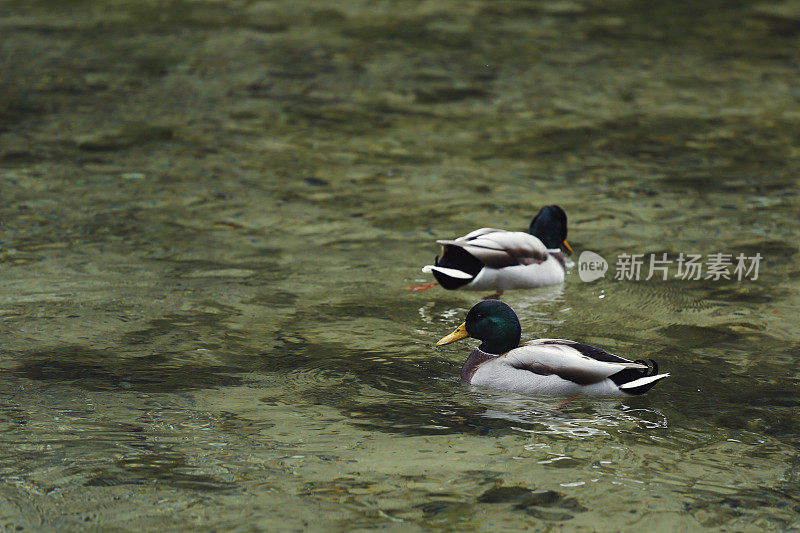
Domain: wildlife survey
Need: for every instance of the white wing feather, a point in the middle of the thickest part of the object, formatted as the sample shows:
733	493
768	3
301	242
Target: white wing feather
452	272
498	248
478	232
565	361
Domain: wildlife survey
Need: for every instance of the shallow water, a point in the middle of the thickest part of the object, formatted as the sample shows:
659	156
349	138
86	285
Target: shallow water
211	211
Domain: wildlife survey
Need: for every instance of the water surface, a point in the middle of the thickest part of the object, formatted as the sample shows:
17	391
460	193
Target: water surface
211	211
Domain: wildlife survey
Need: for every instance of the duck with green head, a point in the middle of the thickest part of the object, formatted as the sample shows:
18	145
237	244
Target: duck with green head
543	366
489	258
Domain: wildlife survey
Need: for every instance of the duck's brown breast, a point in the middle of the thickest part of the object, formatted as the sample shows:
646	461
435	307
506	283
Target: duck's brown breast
475	359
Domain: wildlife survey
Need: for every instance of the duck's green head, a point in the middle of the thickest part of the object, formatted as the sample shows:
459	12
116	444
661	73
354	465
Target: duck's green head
550	226
492	322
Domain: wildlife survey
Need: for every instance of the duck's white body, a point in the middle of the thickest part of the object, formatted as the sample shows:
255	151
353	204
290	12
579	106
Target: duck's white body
559	367
549	272
500	260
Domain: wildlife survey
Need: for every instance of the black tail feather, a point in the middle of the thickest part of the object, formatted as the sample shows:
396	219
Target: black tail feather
632	374
652	366
459	259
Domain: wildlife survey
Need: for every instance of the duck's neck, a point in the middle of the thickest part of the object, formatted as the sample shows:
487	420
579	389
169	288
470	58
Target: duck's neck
559	256
475	359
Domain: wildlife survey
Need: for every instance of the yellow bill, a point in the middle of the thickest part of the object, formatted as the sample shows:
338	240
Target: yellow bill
567	246
457	335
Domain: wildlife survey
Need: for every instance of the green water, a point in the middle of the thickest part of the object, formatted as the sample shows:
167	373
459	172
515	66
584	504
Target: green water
210	211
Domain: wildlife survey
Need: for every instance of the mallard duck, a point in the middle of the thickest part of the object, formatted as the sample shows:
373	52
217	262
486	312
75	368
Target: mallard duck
543	366
489	258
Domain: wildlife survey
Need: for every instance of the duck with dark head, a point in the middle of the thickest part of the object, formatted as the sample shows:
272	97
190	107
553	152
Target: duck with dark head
543	366
495	259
